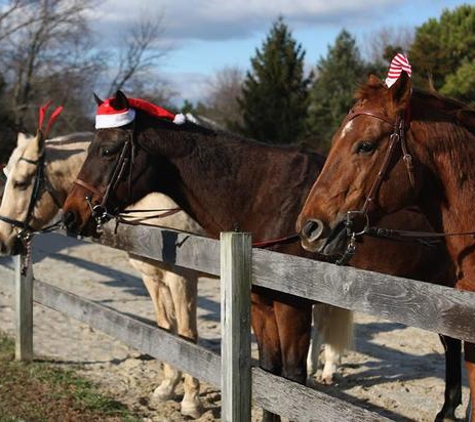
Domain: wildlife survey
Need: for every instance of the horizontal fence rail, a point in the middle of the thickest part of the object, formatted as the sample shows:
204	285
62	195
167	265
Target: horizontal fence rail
428	306
278	395
423	305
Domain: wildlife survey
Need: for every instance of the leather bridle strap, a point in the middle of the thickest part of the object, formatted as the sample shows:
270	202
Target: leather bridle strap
40	181
90	188
393	141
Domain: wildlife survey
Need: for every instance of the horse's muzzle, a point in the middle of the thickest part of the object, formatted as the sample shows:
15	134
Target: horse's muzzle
70	220
319	237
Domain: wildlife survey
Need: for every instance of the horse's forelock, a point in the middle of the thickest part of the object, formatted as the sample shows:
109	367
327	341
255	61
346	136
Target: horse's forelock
371	88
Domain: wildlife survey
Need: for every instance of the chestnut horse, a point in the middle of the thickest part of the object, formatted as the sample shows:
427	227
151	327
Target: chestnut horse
397	148
226	183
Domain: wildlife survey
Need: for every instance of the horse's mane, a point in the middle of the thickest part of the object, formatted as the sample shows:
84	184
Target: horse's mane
225	135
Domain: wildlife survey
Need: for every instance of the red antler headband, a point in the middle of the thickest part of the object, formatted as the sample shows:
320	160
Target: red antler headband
398	64
109	117
53	117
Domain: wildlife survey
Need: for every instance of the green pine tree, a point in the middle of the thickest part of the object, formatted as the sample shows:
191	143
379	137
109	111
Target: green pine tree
274	95
442	47
331	95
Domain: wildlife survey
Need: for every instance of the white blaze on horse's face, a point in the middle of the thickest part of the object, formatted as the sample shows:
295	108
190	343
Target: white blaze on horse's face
18	190
347	128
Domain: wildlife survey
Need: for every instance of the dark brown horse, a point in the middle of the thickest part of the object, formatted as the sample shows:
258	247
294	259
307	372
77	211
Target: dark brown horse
396	148
228	183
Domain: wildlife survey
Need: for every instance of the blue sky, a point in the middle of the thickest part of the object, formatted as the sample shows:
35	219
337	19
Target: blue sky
207	35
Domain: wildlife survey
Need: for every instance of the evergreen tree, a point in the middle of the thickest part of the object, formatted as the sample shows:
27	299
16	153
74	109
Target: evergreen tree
331	95
274	94
444	48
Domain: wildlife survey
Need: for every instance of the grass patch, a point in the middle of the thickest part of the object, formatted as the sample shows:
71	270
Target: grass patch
40	392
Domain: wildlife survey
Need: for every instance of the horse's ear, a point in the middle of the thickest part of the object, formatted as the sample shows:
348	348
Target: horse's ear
39	141
400	92
23	139
98	100
119	102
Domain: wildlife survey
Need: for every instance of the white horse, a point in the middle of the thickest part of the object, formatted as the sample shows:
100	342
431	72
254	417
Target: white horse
173	290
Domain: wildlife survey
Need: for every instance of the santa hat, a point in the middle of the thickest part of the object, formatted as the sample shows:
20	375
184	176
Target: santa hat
398	64
108	117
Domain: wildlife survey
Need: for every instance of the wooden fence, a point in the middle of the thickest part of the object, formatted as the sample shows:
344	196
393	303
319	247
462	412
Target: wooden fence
423	305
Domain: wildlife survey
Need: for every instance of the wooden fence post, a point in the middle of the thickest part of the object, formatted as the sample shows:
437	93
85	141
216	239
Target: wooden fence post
23	309
236	327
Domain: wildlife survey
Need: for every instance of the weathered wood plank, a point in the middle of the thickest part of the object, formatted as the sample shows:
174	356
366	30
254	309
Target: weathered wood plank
435	308
294	401
177	248
236	327
299	403
154	341
23	309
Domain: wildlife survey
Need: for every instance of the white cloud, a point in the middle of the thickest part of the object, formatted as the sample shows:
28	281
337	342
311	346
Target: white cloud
224	19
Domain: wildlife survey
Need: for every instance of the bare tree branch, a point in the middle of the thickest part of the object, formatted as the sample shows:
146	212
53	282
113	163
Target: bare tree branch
140	51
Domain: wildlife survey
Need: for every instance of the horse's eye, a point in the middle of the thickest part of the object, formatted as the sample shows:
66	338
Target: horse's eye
20	184
365	147
108	152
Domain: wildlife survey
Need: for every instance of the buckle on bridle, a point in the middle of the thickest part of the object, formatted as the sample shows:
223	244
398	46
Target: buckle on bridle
25	235
350	223
98	212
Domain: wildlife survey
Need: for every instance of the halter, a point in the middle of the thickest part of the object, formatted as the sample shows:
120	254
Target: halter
398	136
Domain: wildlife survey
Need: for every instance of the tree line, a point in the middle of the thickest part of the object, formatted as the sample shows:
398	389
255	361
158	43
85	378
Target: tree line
278	102
49	51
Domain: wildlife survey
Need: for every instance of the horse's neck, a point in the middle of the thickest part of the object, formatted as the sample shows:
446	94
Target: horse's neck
227	184
62	166
449	197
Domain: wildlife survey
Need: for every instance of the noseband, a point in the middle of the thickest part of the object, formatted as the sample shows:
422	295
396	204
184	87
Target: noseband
41	182
397	137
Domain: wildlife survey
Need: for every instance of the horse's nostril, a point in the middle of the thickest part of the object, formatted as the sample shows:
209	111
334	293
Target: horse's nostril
69	219
312	230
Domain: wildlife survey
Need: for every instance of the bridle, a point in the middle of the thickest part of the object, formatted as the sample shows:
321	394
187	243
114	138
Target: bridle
397	137
41	182
126	159
41	185
125	163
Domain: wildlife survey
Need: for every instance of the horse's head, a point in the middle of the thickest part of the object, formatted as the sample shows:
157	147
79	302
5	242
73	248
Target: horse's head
116	172
360	174
26	205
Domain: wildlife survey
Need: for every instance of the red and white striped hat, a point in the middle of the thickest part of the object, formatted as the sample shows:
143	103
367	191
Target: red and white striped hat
109	117
398	64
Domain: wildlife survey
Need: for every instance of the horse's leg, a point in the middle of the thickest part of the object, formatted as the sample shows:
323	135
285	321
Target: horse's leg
453	378
184	294
313	357
294	325
336	325
166	319
469	350
267	337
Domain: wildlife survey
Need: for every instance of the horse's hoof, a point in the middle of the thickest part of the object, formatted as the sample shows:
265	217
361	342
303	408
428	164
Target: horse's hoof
163	392
193	410
446	416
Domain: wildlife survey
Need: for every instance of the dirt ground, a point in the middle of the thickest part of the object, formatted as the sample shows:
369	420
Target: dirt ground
394	370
